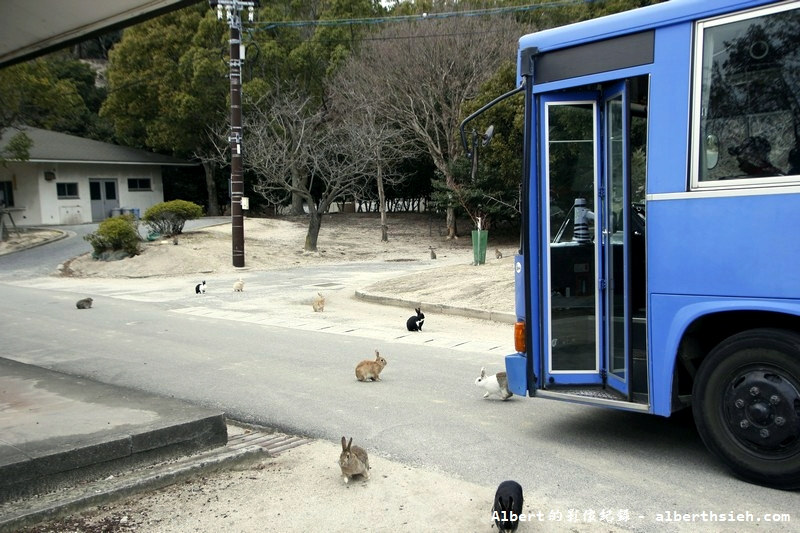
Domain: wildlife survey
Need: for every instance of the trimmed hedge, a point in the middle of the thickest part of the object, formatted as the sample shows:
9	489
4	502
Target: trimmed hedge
168	218
117	234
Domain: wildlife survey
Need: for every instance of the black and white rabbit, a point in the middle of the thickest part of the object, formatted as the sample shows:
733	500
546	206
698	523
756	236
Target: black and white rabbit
200	288
507	505
414	323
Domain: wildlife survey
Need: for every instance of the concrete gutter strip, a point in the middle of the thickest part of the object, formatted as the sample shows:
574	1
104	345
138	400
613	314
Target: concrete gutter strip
33	510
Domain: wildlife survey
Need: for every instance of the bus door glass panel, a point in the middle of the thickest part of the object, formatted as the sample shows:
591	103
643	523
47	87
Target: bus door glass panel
570	191
614	242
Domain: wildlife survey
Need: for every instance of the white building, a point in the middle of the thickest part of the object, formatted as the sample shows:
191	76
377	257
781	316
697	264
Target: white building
71	180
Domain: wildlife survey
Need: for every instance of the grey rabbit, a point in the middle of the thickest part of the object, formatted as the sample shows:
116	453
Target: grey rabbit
86	303
414	323
353	461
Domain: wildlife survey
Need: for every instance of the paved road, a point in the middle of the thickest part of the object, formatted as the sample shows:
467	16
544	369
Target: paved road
425	412
43	260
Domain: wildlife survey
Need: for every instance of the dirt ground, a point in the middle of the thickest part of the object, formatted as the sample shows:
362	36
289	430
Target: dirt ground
277	243
300	490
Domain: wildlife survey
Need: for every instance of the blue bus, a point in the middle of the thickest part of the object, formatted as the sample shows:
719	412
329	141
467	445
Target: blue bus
659	265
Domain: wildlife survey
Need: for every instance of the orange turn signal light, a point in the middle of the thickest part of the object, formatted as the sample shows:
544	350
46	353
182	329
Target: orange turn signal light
519	336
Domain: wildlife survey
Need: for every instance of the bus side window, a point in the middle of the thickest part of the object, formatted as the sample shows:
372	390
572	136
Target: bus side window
749	111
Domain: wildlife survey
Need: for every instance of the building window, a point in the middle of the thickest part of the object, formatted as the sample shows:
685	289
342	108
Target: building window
66	191
139	184
746	119
6	194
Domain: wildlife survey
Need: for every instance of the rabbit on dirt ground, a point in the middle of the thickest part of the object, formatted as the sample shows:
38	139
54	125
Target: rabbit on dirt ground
495	385
368	370
507	505
353	461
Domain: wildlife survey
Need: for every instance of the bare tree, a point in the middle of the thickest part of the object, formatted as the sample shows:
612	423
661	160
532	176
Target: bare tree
214	154
379	142
294	151
421	74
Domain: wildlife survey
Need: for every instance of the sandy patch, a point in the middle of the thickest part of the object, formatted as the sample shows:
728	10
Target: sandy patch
277	243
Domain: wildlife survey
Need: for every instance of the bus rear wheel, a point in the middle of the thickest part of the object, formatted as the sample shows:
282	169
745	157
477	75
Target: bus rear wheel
746	405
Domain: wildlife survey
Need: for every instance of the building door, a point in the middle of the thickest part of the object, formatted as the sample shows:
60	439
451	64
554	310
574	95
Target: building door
104	198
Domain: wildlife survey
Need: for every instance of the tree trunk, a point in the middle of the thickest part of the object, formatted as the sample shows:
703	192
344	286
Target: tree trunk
382	203
297	200
314	224
211	188
452	230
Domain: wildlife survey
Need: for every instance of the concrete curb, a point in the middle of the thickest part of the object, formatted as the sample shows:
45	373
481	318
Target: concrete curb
52	506
63	235
502	317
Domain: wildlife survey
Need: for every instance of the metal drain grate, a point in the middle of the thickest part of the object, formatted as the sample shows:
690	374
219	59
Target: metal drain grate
272	443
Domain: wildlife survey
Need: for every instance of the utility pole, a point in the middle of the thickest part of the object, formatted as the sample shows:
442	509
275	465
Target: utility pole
231	10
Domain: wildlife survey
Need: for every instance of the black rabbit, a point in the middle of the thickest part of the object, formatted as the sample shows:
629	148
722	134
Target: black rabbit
507	505
200	288
414	323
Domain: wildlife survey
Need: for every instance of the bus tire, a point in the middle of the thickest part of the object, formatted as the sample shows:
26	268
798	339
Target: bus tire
746	406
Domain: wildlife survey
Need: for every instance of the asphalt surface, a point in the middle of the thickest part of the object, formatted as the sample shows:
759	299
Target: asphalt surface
58	429
569	456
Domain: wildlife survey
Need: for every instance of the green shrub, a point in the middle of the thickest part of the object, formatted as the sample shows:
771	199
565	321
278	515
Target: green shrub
117	234
168	218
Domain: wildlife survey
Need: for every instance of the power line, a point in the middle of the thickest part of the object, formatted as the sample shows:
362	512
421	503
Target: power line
423	16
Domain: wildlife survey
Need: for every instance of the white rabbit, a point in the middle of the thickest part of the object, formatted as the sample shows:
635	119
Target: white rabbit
496	384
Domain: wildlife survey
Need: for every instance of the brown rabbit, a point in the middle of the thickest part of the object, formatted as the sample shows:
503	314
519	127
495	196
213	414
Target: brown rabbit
319	303
353	461
370	370
498	254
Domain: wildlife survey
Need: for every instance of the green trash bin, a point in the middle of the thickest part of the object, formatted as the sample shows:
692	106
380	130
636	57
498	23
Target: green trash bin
479	240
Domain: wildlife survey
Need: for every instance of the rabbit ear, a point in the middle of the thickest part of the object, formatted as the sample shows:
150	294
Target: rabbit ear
344	444
349	443
483	372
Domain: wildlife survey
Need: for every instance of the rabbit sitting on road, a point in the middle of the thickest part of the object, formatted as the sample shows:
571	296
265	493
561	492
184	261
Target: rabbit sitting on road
370	370
319	303
238	285
353	461
414	323
86	303
496	384
200	288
